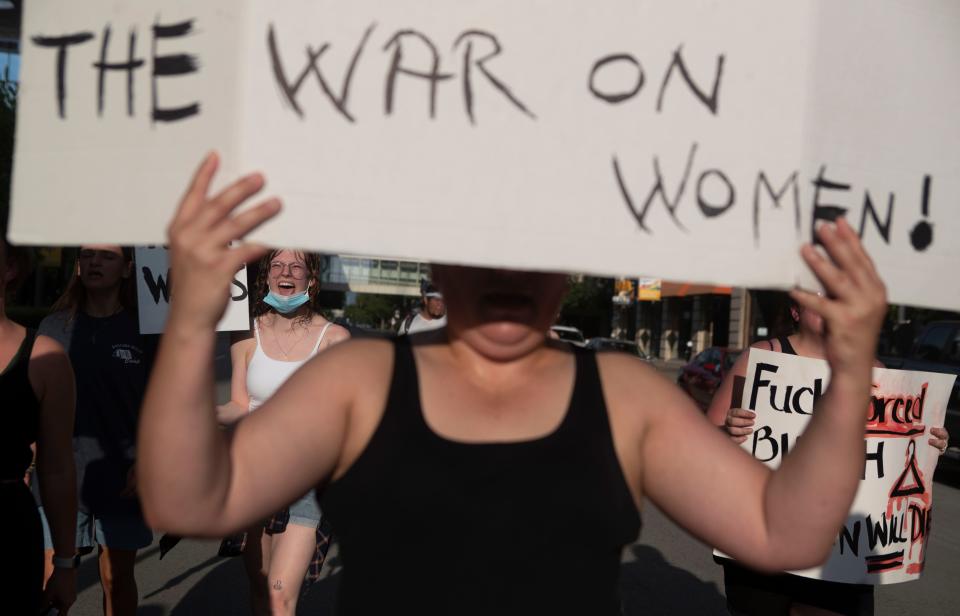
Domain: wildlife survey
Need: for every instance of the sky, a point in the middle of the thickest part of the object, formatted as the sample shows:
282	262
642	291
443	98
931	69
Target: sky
11	60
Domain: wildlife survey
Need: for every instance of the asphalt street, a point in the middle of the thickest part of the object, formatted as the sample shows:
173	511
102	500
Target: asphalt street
666	572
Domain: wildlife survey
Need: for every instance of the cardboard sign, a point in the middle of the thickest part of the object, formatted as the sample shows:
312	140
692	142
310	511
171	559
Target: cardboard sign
153	293
884	538
689	140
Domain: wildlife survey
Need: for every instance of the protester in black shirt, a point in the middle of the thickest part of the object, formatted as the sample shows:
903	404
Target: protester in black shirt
95	321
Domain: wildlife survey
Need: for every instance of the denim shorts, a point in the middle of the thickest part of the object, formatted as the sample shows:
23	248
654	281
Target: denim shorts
306	510
118	531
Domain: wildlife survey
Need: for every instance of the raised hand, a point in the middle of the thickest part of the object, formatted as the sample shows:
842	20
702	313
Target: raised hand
202	259
855	302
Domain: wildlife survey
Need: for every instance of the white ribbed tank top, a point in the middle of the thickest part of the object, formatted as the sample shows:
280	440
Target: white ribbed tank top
265	375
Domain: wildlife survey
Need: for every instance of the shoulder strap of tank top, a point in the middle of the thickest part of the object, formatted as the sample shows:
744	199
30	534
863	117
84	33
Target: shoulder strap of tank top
402	411
26	348
256	330
785	346
404	372
28	342
323	332
587	405
21	359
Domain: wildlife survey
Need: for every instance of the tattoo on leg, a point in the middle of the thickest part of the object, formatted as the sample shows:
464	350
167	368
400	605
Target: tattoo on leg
278	585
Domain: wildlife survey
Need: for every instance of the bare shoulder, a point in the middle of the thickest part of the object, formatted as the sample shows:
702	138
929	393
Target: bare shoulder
767	345
356	357
632	384
337	333
48	357
49	364
45	345
243	347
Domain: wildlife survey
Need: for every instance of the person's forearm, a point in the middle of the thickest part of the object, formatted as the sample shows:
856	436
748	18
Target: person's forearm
182	455
230	413
810	495
58	494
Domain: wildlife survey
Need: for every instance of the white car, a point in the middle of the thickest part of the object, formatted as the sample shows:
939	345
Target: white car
569	334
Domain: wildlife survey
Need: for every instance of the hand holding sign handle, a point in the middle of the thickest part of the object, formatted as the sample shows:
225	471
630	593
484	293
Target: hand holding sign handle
202	260
855	301
939	439
739	424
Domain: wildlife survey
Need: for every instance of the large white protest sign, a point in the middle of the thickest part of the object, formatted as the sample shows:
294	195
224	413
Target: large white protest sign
884	538
153	293
691	140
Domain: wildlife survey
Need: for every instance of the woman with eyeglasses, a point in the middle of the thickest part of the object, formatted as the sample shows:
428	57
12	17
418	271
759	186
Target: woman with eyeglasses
288	330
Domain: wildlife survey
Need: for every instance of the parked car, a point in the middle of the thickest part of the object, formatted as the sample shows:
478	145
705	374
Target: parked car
614	344
702	376
937	349
569	334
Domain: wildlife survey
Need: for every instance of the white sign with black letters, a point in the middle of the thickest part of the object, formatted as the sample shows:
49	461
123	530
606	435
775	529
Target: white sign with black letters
153	293
690	140
884	538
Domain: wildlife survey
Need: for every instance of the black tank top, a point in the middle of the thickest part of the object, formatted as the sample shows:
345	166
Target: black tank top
21	413
435	526
785	346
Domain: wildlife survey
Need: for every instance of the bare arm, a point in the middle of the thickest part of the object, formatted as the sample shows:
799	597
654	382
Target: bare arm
239	402
785	519
52	378
52	374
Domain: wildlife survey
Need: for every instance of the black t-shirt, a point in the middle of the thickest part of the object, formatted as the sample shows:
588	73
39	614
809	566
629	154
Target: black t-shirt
111	361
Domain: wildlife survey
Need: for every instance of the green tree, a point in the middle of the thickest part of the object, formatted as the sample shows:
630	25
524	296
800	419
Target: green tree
588	305
373	310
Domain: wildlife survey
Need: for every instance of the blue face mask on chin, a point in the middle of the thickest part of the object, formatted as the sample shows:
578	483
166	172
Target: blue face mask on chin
285	304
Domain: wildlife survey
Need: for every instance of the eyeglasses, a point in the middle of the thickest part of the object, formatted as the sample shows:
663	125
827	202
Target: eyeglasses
297	270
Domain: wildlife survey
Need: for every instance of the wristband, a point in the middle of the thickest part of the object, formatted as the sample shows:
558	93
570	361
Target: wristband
66	562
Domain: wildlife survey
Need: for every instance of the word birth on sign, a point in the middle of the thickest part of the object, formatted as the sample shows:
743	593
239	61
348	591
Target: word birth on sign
884	538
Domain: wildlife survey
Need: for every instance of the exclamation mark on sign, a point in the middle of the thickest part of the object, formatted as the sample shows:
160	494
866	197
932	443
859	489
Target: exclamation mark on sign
922	235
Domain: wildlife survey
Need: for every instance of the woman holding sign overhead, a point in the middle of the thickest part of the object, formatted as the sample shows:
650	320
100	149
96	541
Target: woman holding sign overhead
462	467
288	330
752	593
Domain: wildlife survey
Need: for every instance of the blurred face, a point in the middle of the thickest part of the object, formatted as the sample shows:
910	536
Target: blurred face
288	273
434	307
500	313
808	321
102	266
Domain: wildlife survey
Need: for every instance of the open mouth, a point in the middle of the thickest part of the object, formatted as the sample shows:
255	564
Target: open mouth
499	306
286	288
